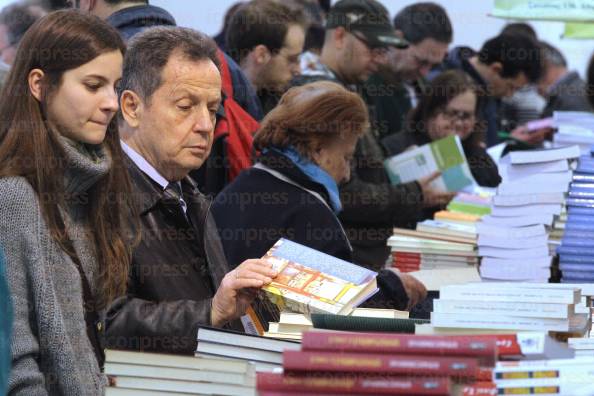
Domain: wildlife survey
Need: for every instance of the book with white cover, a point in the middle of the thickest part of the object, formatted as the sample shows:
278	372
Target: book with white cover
521	188
519	221
510	253
228	337
232	351
531	263
491	321
520	292
512	272
404	241
535	156
556	177
110	391
511	232
581	343
182	374
151	384
431	251
586	289
521	170
434	235
525	309
529	199
177	361
524	210
512	242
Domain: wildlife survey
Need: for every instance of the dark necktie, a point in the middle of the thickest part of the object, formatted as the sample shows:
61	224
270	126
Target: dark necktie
172	199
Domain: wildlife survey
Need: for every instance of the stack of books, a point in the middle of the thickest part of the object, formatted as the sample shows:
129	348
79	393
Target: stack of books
433	245
151	374
513	240
512	307
574	127
576	247
264	353
342	363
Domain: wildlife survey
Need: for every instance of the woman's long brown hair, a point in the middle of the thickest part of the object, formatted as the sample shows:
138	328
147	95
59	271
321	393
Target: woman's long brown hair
59	42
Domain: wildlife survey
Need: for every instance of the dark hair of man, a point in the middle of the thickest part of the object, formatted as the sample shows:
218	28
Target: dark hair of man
552	56
18	18
421	21
260	22
520	28
517	54
59	42
149	51
441	91
314	38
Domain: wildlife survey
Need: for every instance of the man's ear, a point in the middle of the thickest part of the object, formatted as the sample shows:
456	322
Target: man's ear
35	80
261	54
132	108
339	35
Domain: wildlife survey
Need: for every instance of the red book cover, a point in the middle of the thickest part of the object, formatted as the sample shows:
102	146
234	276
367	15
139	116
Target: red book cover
484	348
348	384
459	368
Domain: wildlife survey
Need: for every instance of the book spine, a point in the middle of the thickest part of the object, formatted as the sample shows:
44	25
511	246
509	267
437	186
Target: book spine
457	367
399	344
323	383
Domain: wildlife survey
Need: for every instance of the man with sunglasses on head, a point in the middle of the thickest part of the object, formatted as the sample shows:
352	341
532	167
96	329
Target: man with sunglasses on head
358	35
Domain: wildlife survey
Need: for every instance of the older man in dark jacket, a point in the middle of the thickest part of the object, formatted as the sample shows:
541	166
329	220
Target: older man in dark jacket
179	278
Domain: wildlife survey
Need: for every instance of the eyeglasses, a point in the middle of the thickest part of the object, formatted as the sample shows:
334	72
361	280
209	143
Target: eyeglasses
460	115
374	49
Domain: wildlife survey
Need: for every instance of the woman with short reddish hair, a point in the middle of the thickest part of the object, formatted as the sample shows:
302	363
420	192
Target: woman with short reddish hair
306	145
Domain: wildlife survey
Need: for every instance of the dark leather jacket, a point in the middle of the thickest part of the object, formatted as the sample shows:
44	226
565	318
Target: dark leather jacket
175	272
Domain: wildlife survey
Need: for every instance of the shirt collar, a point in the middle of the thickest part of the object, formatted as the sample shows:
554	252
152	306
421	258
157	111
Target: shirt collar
144	165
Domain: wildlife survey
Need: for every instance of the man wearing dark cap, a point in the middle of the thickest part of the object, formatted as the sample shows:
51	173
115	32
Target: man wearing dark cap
358	33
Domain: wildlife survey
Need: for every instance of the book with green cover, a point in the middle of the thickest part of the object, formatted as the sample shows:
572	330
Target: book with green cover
445	155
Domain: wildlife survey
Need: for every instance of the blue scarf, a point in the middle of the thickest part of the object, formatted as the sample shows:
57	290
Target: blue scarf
315	173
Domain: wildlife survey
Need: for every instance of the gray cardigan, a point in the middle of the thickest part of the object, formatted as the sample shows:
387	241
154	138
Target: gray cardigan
51	353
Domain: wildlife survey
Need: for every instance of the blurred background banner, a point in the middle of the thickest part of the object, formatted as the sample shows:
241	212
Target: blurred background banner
550	10
577	30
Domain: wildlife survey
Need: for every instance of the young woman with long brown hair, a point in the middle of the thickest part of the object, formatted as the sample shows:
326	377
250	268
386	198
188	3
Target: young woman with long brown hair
64	208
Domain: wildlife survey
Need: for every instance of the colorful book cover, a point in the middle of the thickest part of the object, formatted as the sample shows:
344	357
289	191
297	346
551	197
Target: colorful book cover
313	282
445	155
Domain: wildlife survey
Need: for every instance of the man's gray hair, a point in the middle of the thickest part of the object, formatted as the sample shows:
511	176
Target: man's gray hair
149	51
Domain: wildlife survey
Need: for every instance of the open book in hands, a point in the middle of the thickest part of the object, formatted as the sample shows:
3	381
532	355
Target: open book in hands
310	281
